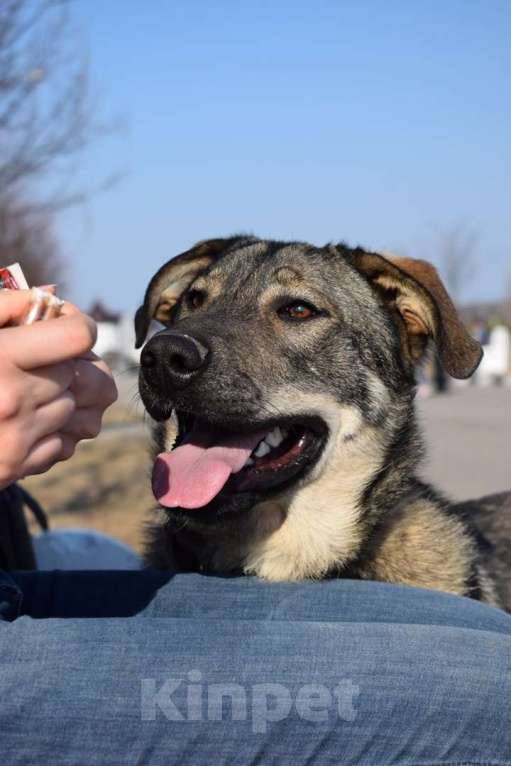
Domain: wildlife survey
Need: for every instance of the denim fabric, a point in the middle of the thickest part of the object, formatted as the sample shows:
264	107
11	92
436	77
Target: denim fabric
150	593
339	672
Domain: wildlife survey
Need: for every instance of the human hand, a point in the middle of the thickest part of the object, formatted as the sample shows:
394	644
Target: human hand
53	391
94	390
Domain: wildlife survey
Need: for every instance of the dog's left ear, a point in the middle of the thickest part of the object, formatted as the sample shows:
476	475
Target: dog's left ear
171	281
414	289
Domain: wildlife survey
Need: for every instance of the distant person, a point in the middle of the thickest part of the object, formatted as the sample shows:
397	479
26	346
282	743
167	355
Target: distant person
440	377
480	331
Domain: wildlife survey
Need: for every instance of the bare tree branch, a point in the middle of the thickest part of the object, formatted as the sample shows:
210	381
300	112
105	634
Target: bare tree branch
29	240
47	115
47	119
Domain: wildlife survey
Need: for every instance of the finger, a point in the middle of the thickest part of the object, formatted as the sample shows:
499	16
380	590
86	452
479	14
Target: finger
70	310
85	423
93	384
90	356
48	451
49	342
48	383
13	305
53	417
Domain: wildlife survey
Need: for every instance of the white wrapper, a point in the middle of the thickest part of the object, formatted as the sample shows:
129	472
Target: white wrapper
44	305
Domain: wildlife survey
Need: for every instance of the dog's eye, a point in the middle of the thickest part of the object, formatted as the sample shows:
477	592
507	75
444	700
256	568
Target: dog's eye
298	311
195	298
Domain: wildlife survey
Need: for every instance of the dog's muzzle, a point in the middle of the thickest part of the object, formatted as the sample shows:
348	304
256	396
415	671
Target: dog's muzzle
174	359
219	452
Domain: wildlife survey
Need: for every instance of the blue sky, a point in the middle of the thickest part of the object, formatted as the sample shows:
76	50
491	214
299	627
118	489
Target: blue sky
377	122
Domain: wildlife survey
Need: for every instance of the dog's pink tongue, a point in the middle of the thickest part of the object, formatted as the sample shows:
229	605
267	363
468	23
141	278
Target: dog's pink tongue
192	475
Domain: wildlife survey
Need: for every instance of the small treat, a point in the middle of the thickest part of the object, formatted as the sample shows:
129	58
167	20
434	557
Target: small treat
43	303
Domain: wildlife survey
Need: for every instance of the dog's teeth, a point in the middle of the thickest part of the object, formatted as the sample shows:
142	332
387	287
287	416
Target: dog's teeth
274	438
250	461
262	450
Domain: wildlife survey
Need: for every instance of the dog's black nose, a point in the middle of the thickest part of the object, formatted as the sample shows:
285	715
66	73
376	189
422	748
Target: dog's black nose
175	357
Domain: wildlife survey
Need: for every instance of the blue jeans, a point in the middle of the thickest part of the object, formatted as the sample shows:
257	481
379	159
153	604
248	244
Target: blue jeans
154	668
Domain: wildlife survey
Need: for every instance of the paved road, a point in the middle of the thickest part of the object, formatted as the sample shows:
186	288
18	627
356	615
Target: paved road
469	441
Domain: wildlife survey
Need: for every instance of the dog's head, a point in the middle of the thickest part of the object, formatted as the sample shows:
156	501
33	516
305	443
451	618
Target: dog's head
272	352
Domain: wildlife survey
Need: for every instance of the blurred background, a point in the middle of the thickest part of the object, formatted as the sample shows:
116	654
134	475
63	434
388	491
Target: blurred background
129	130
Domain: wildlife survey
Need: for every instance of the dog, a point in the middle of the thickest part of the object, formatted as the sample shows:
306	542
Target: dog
286	444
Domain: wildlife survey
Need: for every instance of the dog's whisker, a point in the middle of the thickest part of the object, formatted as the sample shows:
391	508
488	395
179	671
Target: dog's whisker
271	410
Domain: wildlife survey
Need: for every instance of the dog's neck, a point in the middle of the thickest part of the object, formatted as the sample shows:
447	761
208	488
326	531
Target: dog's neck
320	526
303	534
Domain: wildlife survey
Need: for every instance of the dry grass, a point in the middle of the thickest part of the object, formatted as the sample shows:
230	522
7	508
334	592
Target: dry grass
105	486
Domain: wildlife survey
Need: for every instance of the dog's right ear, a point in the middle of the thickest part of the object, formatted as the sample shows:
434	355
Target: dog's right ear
171	281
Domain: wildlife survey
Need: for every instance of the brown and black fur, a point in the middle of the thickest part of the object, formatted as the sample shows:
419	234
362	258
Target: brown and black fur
361	510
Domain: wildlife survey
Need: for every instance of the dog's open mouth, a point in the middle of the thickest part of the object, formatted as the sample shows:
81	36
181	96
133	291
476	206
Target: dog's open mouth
207	460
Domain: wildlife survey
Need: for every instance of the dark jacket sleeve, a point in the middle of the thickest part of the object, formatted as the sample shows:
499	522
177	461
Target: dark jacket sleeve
16	550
